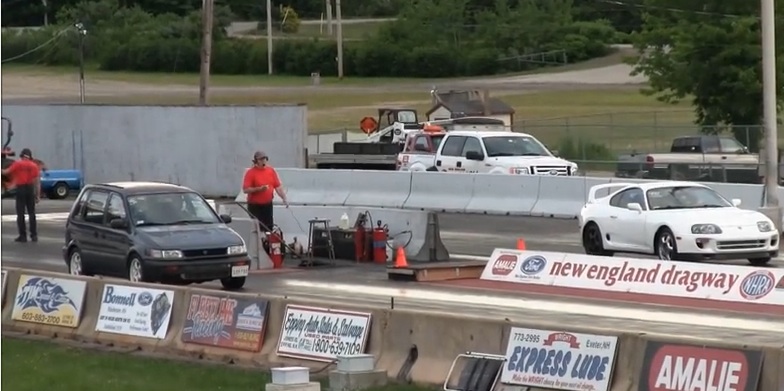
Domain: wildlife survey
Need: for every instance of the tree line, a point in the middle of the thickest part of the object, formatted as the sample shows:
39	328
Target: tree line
430	38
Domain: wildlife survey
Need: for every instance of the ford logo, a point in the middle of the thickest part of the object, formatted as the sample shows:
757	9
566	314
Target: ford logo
533	265
145	299
553	172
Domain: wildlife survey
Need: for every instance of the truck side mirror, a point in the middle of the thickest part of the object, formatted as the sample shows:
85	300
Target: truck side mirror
474	155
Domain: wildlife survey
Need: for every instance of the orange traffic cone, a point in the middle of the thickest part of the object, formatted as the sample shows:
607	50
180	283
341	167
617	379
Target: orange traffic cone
520	244
400	258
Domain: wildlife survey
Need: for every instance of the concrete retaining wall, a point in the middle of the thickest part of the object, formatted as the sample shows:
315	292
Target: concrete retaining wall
437	337
205	148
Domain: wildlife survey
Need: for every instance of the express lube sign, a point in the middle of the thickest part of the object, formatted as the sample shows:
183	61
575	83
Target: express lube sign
559	360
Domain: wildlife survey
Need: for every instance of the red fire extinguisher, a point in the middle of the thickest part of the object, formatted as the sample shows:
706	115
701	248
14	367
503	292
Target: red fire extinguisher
360	248
275	239
380	234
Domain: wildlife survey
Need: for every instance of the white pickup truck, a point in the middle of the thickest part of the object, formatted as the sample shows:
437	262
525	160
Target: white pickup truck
487	152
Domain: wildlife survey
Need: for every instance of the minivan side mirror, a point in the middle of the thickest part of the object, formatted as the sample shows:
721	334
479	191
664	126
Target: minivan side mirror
736	202
225	218
474	155
119	223
635	207
554	152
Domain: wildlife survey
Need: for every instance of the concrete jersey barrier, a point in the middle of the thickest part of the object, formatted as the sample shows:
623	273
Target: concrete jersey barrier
408	345
524	195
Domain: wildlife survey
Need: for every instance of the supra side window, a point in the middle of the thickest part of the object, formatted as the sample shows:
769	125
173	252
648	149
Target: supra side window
115	209
453	146
94	207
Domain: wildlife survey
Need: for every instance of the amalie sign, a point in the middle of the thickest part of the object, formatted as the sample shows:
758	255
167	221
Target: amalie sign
675	367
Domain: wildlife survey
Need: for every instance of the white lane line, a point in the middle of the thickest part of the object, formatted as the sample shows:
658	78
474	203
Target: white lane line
548	306
563	239
61	216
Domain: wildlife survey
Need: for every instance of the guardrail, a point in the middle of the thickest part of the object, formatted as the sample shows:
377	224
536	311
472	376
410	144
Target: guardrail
523	195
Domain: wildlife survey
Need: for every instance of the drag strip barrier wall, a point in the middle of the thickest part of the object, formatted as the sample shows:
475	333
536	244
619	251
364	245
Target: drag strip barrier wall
436	338
524	195
417	231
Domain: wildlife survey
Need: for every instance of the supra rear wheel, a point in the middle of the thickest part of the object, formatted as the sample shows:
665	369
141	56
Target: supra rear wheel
233	283
592	241
665	246
759	261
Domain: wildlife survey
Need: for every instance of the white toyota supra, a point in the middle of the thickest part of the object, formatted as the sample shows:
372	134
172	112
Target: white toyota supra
674	221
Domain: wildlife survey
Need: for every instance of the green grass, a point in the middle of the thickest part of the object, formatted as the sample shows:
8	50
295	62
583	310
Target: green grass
41	365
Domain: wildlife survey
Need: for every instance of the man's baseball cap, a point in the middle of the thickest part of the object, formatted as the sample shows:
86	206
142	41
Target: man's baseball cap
26	153
260	155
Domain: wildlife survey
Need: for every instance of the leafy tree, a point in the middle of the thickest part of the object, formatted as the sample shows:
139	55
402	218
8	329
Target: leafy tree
709	54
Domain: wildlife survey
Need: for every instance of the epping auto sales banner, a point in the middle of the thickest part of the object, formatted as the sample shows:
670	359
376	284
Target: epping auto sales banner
738	284
559	360
322	334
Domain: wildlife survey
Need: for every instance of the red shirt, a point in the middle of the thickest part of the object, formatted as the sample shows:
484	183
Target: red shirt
257	177
24	172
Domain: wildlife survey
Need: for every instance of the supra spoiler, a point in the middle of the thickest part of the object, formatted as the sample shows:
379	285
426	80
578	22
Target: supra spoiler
607	186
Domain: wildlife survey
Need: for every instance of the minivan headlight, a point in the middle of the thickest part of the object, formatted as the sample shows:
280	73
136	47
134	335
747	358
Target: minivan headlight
165	254
236	250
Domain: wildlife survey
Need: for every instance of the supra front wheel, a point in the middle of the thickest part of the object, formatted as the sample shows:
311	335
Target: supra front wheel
665	246
593	244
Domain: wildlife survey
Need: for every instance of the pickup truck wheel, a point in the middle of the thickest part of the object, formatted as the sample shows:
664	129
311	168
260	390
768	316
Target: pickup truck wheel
233	283
59	191
759	261
432	169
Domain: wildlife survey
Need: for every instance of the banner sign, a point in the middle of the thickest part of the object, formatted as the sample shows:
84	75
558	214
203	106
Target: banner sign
227	322
676	367
322	334
2	293
136	311
559	360
645	276
52	301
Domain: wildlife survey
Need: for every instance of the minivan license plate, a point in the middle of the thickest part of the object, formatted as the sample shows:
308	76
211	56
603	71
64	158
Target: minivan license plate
239	271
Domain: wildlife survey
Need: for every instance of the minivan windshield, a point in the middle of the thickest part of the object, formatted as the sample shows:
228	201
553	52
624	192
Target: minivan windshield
170	209
685	197
498	146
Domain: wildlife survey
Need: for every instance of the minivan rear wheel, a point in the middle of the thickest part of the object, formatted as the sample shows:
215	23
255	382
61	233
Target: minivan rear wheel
75	266
233	283
135	269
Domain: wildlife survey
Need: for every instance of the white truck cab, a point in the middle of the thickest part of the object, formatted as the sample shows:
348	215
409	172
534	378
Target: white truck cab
498	153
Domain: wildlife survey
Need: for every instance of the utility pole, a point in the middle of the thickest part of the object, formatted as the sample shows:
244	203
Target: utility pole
329	17
269	37
206	50
340	39
772	208
82	33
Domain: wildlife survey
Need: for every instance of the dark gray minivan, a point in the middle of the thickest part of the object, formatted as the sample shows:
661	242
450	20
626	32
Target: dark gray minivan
152	232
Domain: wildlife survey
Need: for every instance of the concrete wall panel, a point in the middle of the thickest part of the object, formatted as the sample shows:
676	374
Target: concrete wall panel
205	148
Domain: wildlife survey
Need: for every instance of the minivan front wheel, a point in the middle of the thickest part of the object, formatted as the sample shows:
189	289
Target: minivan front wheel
135	270
233	283
75	267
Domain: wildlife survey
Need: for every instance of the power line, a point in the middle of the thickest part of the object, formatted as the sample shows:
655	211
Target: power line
39	47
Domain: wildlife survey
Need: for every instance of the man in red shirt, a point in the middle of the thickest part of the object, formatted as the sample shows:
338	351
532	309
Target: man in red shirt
259	183
25	176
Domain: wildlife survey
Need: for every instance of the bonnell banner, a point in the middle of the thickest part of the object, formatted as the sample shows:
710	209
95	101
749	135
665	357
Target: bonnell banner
129	310
322	334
